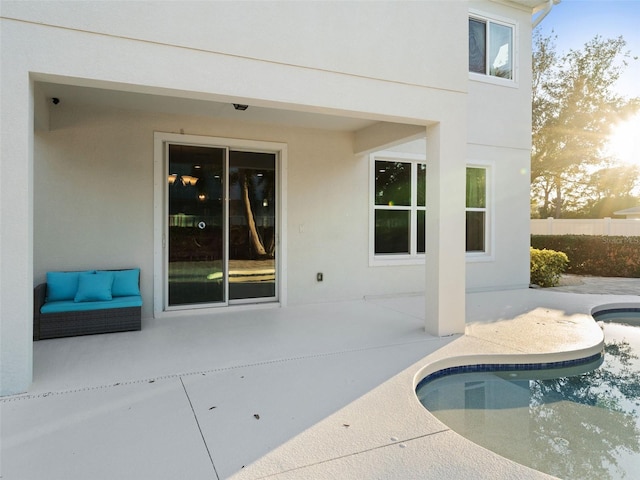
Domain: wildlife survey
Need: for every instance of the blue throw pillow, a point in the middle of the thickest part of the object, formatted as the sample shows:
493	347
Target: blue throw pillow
125	282
94	287
61	285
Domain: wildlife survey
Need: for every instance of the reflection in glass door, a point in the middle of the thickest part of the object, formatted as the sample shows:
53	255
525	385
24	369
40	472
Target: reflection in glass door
252	221
196	226
221	239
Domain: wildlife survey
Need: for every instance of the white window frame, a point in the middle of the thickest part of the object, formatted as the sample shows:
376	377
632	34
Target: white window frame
489	238
413	257
514	25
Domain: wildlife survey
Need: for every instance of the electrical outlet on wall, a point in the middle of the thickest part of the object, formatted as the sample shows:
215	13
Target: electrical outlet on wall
319	276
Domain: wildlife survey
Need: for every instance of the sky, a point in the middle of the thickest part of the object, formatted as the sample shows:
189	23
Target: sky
576	22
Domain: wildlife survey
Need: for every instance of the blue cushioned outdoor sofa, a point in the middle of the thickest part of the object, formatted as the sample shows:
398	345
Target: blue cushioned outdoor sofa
86	303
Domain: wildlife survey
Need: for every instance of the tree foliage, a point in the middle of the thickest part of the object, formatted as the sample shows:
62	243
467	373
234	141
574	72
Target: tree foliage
574	108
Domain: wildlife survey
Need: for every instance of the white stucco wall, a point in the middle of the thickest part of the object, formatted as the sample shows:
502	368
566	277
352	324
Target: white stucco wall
499	135
16	229
507	265
332	36
93	181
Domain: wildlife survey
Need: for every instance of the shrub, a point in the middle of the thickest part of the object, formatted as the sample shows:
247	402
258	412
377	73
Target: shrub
597	255
547	266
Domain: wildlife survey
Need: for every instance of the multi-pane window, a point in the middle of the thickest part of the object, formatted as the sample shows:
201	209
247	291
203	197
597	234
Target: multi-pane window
399	204
399	209
491	48
476	209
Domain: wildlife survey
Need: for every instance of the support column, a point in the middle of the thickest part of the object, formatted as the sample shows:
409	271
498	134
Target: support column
445	225
16	230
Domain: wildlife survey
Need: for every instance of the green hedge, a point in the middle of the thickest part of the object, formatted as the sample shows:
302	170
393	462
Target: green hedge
600	256
547	266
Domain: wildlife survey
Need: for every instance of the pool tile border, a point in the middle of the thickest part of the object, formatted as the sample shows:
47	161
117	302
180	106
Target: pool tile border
599	313
507	367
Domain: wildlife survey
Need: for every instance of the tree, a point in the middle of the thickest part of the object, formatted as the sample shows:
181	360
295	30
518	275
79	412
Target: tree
574	107
611	189
256	240
615	181
599	193
249	190
607	206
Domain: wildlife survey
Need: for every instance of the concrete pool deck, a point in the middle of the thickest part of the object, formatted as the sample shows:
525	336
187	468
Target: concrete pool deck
304	392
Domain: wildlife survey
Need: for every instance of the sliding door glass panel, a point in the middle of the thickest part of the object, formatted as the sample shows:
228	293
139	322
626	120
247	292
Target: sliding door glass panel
196	225
252	221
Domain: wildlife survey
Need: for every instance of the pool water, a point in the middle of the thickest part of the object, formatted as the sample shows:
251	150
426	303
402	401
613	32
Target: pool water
574	423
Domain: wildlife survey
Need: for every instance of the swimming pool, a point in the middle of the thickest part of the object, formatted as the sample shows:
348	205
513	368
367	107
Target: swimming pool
574	422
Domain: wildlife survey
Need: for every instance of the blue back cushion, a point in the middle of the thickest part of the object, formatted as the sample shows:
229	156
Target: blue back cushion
94	287
126	283
61	286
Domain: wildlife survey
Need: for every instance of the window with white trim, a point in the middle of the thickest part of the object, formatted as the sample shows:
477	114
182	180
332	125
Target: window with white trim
398	207
398	210
491	47
477	213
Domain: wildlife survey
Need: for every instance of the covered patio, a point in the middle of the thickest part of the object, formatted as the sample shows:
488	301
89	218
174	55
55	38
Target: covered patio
314	391
85	137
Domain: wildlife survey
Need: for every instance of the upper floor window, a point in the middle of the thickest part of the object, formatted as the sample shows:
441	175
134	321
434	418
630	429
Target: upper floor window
491	47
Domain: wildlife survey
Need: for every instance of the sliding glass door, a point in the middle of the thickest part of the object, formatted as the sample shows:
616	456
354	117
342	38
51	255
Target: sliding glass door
196	263
252	220
221	239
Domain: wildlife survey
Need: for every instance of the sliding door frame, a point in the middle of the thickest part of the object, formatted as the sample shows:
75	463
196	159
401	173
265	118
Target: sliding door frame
160	204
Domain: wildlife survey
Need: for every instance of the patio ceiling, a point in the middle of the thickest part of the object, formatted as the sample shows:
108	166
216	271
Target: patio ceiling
369	134
101	97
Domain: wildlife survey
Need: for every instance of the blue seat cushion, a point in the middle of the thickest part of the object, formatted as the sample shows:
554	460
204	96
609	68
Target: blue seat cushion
71	306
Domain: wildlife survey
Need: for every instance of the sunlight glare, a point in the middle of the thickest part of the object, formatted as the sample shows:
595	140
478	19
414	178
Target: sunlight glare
624	141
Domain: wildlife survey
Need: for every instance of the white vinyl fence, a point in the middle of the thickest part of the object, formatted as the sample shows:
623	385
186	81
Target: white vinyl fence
599	226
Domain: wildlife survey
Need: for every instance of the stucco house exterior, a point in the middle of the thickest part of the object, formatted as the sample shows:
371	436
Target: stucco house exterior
264	152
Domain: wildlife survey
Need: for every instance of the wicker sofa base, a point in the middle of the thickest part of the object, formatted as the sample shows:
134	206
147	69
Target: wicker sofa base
89	322
71	324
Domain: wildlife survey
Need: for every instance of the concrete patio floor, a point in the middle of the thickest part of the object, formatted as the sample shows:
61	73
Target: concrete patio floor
320	391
